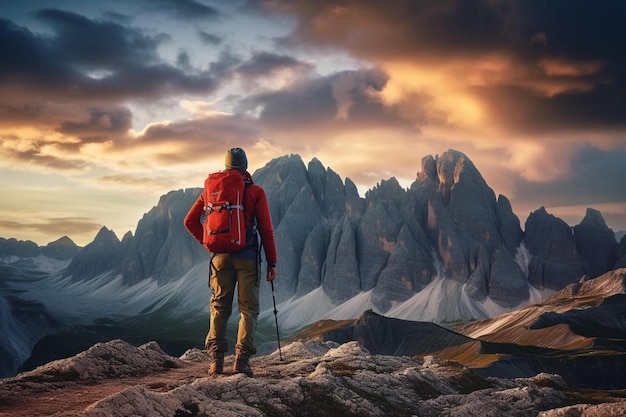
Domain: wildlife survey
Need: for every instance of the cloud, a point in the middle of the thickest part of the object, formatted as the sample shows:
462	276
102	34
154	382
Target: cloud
97	45
263	64
101	124
210	38
525	67
54	226
186	10
55	136
593	175
67	90
339	101
145	182
89	61
531	92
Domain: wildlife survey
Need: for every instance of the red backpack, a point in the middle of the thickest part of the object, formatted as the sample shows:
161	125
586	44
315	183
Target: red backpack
225	222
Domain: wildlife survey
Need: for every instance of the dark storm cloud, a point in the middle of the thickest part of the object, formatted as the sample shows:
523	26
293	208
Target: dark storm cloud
98	44
565	60
581	29
265	63
577	28
26	57
384	29
73	79
521	110
342	100
596	175
91	60
549	72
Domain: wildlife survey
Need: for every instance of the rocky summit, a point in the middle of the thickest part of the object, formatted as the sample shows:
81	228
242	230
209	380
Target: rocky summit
312	378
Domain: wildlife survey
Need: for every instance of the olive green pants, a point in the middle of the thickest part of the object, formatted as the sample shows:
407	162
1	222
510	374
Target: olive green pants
227	274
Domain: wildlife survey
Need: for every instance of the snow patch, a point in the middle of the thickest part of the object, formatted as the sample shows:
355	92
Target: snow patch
298	312
9	259
50	265
522	258
443	300
108	296
40	262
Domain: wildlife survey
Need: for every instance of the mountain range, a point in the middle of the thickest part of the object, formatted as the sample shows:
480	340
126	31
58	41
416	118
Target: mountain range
445	250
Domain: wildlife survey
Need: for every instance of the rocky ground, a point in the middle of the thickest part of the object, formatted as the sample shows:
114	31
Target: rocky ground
313	378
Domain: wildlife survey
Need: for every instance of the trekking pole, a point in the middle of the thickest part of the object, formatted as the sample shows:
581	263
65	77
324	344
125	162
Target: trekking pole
280	354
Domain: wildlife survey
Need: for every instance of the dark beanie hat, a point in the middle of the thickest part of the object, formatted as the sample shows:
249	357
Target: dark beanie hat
236	159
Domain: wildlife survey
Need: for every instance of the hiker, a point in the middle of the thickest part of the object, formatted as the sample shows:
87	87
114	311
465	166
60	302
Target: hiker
235	268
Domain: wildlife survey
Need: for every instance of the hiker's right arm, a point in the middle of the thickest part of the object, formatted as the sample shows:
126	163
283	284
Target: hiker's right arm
192	219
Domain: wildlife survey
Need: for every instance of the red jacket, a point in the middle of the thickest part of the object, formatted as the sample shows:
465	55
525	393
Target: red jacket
255	205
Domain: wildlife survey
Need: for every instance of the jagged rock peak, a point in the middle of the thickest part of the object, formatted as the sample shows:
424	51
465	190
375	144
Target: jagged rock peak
63	241
451	165
105	236
127	236
101	255
555	260
385	190
63	248
429	169
594	216
454	167
448	168
596	243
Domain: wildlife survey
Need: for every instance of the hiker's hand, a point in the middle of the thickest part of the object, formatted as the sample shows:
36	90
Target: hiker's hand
271	273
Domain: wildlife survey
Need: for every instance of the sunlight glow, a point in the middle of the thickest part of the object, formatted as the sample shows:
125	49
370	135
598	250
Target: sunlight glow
535	164
202	108
446	94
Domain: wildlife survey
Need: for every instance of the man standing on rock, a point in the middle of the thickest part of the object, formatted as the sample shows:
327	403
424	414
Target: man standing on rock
239	269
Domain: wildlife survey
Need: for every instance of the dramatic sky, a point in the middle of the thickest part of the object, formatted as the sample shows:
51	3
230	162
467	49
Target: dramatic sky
107	105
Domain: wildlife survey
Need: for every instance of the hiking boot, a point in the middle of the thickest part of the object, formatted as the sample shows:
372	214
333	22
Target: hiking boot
217	363
242	366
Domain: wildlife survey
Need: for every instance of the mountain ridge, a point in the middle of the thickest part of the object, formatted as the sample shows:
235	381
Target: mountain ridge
443	250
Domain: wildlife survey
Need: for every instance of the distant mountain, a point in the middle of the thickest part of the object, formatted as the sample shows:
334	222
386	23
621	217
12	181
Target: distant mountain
444	250
161	248
61	249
